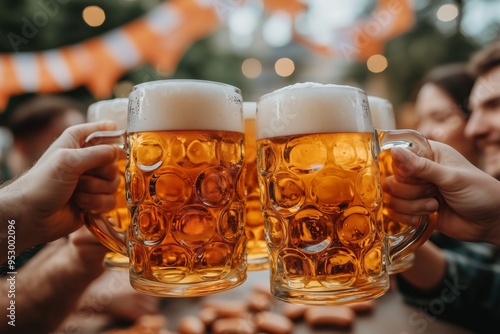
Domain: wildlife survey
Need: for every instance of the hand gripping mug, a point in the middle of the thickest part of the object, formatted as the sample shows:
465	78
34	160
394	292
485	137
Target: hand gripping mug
322	200
383	118
114	110
254	221
185	188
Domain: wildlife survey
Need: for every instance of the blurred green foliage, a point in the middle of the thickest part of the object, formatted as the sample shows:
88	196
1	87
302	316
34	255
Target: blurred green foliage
411	55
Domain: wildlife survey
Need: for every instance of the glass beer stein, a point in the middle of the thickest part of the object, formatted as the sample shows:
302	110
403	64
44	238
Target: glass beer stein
383	118
114	110
185	188
254	221
321	192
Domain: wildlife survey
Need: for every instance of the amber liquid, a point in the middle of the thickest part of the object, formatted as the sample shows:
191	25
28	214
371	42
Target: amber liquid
391	227
118	220
323	217
394	228
254	220
186	195
120	215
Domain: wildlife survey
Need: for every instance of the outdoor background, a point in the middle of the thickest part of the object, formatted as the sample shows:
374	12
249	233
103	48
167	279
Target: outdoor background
260	46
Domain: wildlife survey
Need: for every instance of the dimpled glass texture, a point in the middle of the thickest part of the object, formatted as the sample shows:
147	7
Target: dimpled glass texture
323	213
185	190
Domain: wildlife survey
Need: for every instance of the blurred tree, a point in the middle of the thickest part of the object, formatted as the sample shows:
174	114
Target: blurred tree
411	55
35	25
202	61
32	25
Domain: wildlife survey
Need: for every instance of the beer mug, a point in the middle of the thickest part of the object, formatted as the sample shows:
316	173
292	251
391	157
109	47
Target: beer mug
383	118
185	188
321	193
257	255
114	110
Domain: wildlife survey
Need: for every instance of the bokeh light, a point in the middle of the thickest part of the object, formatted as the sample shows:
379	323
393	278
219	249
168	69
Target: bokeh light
284	67
251	68
277	30
94	16
447	12
377	63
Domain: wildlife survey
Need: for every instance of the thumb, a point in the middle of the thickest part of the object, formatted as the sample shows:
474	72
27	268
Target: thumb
407	165
74	137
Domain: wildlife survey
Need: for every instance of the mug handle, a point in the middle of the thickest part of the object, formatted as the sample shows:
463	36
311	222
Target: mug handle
410	239
103	225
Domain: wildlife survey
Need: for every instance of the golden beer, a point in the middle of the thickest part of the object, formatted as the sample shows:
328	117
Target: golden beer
321	194
185	188
383	118
257	254
119	218
322	204
187	201
391	226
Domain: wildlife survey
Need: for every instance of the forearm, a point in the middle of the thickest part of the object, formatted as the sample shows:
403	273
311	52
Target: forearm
48	289
15	233
468	294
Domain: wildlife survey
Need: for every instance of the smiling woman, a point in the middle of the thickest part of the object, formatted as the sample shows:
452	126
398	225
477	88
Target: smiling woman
442	107
459	286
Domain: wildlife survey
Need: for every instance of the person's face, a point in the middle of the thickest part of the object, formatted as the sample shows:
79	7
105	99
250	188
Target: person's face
440	119
484	123
26	152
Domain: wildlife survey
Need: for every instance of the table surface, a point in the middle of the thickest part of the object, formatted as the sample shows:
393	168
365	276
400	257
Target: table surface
390	315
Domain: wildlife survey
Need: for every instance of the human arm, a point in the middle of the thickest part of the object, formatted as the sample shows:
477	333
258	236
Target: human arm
467	294
46	202
428	268
113	295
49	286
468	199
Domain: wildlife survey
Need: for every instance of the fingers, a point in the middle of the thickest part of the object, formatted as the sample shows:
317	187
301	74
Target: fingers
445	171
409	167
95	202
90	250
416	207
83	236
74	136
393	186
92	185
70	164
406	219
107	172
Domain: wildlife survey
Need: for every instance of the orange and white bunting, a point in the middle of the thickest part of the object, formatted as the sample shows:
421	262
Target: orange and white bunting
162	36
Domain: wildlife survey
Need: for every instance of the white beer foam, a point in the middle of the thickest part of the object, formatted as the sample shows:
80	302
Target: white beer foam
185	105
313	108
382	113
249	110
115	110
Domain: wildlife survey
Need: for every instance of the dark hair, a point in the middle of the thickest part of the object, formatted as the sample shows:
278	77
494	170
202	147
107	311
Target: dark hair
486	59
37	113
456	81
